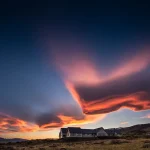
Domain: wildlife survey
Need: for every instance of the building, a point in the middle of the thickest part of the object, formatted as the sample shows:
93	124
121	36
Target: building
113	132
78	132
74	132
63	133
100	132
88	133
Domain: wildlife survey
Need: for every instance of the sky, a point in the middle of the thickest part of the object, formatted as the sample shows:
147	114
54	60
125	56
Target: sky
83	64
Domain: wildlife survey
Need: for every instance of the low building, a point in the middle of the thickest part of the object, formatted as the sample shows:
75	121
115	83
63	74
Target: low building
78	132
74	132
113	132
87	133
63	133
100	132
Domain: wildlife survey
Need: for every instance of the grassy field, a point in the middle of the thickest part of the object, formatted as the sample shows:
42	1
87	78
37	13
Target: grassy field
115	144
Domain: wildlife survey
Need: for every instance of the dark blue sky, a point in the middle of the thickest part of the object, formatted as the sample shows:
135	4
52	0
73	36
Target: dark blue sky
57	56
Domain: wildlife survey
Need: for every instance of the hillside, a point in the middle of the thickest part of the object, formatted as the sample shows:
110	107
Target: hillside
136	129
3	140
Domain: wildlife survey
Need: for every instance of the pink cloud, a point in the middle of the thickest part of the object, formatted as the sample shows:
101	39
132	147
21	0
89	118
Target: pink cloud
147	116
124	123
78	69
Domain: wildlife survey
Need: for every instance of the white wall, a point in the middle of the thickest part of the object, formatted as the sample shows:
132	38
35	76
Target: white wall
101	132
73	135
62	135
87	135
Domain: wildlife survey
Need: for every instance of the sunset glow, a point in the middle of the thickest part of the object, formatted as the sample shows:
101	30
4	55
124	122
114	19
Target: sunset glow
65	64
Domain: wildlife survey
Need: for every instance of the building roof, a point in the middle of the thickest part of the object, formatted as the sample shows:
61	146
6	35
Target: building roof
87	131
112	131
99	128
74	130
64	130
96	130
79	130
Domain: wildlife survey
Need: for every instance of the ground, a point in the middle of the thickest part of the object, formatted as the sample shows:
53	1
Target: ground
111	144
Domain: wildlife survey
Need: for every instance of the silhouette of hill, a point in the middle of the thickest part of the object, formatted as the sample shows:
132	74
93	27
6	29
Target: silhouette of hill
3	140
136	129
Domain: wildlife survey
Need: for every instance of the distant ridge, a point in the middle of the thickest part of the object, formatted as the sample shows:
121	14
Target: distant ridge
135	129
3	140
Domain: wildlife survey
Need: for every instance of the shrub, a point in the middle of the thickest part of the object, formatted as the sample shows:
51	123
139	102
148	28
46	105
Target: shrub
101	142
119	141
42	149
115	142
146	145
54	145
9	148
147	141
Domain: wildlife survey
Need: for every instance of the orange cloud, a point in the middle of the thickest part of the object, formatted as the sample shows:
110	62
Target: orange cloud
11	124
87	119
114	103
72	121
111	103
51	125
124	123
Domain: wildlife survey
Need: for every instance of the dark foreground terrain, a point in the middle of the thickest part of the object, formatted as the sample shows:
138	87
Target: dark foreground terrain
98	144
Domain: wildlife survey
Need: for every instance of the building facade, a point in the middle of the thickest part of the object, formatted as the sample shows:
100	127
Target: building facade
78	132
63	133
113	132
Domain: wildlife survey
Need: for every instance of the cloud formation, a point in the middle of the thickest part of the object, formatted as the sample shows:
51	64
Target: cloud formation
94	93
10	124
127	86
